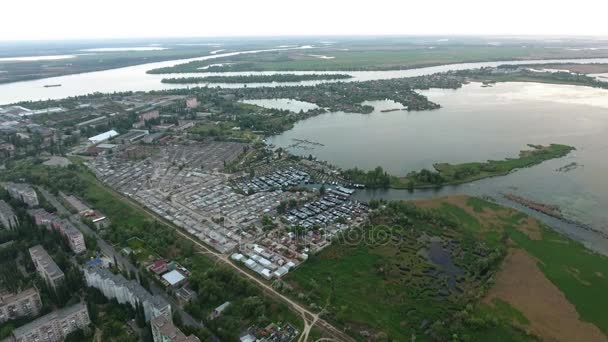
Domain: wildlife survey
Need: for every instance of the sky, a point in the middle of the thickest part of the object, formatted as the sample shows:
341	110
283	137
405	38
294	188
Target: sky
94	19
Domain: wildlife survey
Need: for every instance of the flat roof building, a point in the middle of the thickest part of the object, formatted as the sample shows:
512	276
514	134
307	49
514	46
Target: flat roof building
103	137
55	326
8	219
22	192
46	266
174	278
15	305
126	291
164	331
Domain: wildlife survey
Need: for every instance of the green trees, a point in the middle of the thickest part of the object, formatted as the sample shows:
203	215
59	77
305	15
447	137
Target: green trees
376	178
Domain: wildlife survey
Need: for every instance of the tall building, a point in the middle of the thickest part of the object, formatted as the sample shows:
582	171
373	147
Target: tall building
65	227
15	305
72	234
23	193
46	266
163	330
55	326
126	291
8	219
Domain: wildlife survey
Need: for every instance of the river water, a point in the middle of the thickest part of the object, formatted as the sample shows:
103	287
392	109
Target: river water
135	78
474	124
477	124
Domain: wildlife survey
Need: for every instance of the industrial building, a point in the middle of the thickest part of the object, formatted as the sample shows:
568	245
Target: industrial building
46	266
55	326
126	291
103	137
15	305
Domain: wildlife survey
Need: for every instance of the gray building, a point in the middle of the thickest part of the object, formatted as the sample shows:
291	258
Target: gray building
126	291
8	219
163	330
46	266
23	193
55	326
15	305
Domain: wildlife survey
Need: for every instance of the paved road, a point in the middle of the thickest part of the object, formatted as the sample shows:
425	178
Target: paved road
124	263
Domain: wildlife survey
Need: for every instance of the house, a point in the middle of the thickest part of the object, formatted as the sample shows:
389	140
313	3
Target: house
158	267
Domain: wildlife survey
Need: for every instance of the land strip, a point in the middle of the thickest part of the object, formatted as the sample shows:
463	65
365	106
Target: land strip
279	78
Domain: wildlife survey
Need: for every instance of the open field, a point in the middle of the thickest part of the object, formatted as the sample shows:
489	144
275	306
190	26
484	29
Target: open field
392	289
381	58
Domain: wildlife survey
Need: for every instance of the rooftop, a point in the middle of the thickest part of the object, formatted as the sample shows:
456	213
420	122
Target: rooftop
103	136
49	265
65	312
167	328
173	277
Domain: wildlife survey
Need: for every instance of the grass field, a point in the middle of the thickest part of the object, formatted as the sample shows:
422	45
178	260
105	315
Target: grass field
379	58
393	290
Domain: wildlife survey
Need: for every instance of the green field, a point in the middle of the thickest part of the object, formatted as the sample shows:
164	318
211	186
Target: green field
391	290
381	57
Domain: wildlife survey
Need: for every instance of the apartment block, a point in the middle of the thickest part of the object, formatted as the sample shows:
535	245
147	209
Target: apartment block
126	291
46	266
55	326
15	305
8	219
23	193
163	330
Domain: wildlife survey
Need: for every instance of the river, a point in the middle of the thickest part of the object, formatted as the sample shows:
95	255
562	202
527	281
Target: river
475	124
135	78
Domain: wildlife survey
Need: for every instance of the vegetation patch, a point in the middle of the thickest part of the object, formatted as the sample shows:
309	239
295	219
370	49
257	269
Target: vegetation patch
280	78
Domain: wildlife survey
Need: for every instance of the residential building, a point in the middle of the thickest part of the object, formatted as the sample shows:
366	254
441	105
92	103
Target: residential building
126	291
23	193
55	326
163	330
72	234
65	227
46	266
8	219
15	305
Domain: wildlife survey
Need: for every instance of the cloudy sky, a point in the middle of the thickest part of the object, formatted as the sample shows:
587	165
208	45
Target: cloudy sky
76	19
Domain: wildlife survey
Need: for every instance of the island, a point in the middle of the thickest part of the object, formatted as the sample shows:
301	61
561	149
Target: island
450	174
282	78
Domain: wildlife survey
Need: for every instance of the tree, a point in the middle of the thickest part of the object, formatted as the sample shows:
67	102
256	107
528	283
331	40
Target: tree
322	190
